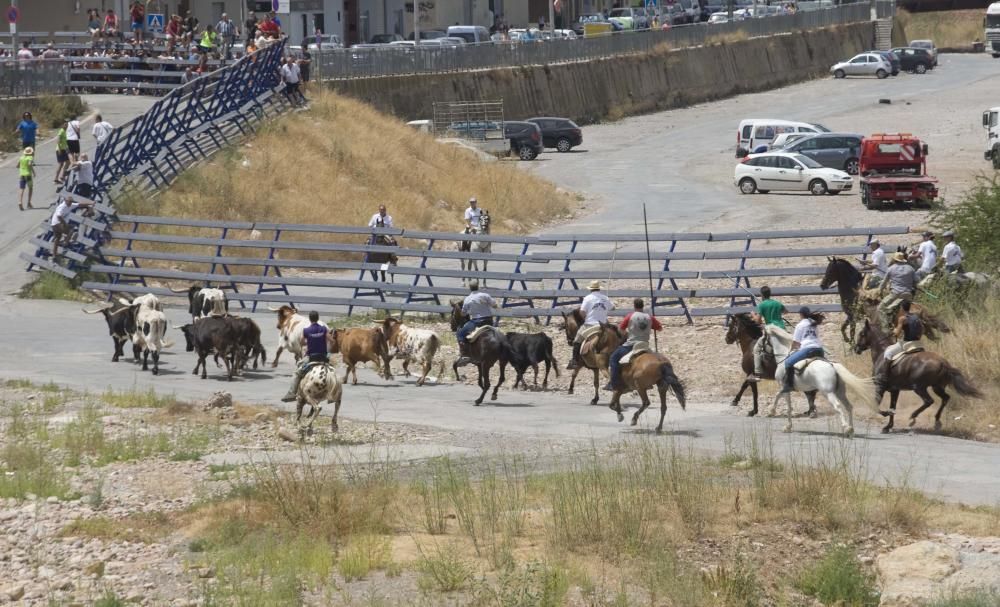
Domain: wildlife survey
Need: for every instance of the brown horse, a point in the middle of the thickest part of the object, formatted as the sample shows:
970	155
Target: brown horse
598	356
644	371
917	371
489	349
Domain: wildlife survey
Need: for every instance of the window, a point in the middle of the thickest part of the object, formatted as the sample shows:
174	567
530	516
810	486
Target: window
765	161
808	162
747	131
889	148
784	162
809	144
764	131
861	59
829	143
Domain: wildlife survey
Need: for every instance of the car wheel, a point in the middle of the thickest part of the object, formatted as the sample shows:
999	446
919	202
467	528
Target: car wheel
747	185
881	74
817	187
526	153
851	166
920	68
563	145
839	74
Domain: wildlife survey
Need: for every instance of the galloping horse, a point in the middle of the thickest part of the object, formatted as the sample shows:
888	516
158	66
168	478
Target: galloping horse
597	358
319	383
468	246
379	257
491	347
744	330
645	370
916	371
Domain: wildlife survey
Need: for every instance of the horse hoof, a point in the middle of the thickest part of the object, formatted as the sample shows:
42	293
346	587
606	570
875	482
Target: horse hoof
593	402
752	413
849	432
494	397
937	426
913	421
812	414
479	402
787	428
886	430
635	421
659	429
621	418
334	427
734	403
570	391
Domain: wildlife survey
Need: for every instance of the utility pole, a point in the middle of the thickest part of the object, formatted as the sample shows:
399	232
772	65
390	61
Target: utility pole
13	33
552	15
416	23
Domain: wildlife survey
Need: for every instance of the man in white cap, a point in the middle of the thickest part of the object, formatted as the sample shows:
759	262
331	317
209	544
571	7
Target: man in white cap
952	253
901	282
878	263
595	308
472	214
927	254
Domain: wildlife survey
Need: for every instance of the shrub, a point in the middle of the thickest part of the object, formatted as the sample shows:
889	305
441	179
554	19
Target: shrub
444	570
976	221
980	598
363	554
838	579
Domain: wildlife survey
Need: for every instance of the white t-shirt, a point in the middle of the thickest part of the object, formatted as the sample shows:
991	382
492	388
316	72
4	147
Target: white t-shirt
807	334
62	211
102	130
290	73
878	260
478	305
386	221
85	172
928	252
25	53
952	254
596	306
73	130
472	216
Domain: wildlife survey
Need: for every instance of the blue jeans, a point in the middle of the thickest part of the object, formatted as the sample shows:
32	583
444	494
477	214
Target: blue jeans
801	355
615	365
471	326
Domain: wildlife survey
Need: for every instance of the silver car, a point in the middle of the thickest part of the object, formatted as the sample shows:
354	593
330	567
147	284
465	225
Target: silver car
865	64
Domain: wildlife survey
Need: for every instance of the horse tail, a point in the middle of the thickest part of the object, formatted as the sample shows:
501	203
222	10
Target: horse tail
668	377
863	389
962	385
932	323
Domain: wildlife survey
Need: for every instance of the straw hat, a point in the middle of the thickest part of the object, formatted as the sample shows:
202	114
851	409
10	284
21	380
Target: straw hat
898	257
595	285
30	151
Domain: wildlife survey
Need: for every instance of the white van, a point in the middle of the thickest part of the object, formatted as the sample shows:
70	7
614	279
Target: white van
472	34
755	134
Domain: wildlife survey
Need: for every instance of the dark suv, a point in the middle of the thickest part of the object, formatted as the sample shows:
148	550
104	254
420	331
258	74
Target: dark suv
525	139
917	60
834	150
560	133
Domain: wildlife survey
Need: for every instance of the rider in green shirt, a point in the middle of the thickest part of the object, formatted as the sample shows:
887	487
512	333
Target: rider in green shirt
768	312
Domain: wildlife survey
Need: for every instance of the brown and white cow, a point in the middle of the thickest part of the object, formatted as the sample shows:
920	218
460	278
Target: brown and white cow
412	345
360	346
290	327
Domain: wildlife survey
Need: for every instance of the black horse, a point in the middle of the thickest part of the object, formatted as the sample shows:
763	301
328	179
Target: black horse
381	258
489	349
848	279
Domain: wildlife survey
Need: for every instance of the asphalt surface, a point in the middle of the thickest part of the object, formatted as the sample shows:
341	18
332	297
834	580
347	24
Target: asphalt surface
633	161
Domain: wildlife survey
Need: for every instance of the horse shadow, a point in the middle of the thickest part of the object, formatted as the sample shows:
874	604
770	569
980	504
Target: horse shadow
838	434
665	433
510	405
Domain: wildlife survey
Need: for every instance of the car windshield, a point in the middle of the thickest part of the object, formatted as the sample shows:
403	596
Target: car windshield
809	162
591	18
820	127
619	12
992	20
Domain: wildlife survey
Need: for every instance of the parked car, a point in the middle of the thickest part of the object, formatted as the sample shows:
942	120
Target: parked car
891	58
327	42
525	139
577	25
560	133
927	45
472	34
473	129
718	18
564	35
630	18
865	64
833	150
782	171
429	34
384	38
756	134
917	60
784	139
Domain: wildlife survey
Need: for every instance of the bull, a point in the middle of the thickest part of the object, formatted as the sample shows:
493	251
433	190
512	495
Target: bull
205	301
412	345
290	327
214	335
528	350
150	329
121	325
248	338
360	346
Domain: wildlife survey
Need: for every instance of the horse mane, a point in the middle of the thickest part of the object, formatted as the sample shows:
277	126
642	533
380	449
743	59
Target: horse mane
747	324
817	317
578	316
854	276
878	335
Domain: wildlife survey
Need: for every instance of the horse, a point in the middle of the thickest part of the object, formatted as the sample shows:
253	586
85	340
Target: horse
479	246
645	370
318	384
744	330
916	371
830	378
379	257
489	349
598	357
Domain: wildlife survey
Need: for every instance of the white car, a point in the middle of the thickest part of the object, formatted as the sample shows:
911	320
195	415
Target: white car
789	172
865	64
718	18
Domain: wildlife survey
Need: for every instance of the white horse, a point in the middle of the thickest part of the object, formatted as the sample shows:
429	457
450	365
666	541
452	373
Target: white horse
319	383
828	377
478	246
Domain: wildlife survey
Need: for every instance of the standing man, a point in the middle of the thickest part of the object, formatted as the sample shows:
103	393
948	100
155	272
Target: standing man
62	155
877	264
26	176
927	254
472	214
478	306
637	326
227	32
73	138
314	339
138	13
102	130
901	282
25	54
292	77
953	255
305	64
84	177
595	308
28	129
768	312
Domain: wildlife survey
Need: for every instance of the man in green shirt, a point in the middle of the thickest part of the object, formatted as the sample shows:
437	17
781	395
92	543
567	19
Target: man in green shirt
209	39
62	154
768	312
26	172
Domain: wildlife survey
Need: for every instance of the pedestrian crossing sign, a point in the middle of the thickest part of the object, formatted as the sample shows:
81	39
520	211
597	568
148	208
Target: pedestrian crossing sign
154	22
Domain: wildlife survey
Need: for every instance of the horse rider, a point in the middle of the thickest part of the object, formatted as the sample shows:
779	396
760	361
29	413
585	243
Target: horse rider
909	329
382	219
878	263
927	253
768	312
595	308
901	282
805	344
953	255
314	338
472	215
636	325
478	306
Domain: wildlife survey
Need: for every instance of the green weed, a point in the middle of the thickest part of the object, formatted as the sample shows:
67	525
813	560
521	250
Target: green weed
975	598
362	555
443	570
838	579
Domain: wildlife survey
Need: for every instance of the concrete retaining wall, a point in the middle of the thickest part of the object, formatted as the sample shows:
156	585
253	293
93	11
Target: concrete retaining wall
612	88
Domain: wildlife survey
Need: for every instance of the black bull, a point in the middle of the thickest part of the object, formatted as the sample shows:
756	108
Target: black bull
235	339
121	326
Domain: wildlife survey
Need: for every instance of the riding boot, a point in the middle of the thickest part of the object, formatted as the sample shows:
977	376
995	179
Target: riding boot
881	379
463	353
575	362
293	390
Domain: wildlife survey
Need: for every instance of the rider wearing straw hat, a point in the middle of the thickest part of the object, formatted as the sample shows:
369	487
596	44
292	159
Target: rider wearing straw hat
595	308
900	280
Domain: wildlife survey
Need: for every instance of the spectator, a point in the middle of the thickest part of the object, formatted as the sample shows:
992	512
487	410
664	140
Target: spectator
305	64
275	20
102	130
188	75
25	53
174	32
227	34
28	128
250	27
62	155
73	138
26	176
111	26
190	27
138	13
50	52
94	24
292	77
61	230
209	41
84	170
269	28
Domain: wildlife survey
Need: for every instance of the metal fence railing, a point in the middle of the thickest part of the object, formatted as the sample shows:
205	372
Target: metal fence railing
38	78
401	60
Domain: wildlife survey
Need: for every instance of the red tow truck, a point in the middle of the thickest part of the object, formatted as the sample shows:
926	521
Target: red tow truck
893	168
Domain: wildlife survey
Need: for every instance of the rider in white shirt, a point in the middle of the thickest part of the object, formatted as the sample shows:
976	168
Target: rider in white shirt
953	255
878	263
472	214
805	344
380	219
927	252
595	308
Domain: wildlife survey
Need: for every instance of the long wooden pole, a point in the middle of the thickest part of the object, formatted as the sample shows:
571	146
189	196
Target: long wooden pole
649	268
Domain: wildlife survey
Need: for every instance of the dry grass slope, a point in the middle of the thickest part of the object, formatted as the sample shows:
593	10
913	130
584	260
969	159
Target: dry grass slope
948	29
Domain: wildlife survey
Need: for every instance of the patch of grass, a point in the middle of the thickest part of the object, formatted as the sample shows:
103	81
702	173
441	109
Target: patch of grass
49	111
145	527
362	555
839	579
141	399
981	598
735	584
443	569
954	29
28	468
536	584
50	285
18	384
110	599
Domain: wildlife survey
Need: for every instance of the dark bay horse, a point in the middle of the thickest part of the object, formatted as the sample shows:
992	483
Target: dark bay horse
379	257
489	349
645	370
917	371
598	357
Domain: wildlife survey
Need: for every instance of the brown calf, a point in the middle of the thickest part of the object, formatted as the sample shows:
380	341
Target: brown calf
360	346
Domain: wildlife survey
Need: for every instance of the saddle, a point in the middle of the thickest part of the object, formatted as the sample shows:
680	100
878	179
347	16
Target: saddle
637	349
909	347
588	337
478	332
802	364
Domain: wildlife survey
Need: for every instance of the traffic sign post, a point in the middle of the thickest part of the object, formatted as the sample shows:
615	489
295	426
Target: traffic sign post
281	6
13	14
154	22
